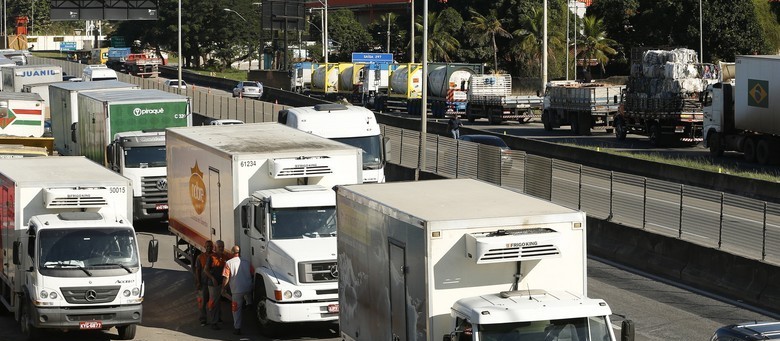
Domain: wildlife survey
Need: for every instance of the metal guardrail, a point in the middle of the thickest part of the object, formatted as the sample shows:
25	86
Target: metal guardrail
732	223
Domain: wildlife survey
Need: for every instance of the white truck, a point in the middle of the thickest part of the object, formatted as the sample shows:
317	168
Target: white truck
353	125
581	106
739	112
22	120
300	77
490	96
124	130
64	110
374	80
267	188
98	72
504	266
15	77
71	254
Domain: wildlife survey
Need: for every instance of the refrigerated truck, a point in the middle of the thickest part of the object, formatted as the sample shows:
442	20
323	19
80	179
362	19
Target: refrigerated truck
111	126
64	110
15	77
22	121
70	257
267	188
416	265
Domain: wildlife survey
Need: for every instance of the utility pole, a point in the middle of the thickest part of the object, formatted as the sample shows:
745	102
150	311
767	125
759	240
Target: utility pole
544	48
424	112
179	61
412	31
388	32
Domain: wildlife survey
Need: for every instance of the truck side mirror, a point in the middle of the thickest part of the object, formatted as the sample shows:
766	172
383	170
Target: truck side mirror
154	247
17	247
627	330
246	216
73	132
387	148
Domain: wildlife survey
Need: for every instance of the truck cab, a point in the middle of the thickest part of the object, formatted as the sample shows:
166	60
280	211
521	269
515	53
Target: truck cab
98	73
140	156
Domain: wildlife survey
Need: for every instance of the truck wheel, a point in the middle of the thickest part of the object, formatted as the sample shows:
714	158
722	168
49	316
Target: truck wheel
715	144
574	123
656	139
749	150
546	120
267	327
495	119
763	152
29	331
126	332
585	122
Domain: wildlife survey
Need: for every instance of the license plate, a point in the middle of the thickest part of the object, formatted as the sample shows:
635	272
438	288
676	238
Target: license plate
333	308
161	207
91	325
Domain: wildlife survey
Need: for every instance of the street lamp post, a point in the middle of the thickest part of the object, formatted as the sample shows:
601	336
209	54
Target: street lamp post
246	21
179	61
701	34
424	112
544	48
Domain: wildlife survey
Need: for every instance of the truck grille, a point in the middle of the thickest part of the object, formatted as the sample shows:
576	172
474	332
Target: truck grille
154	191
318	272
90	295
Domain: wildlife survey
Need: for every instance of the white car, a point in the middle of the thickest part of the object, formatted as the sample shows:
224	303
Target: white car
224	122
250	89
174	83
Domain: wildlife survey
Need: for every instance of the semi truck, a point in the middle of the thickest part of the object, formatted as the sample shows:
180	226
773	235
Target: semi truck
503	266
581	106
349	81
267	188
490	96
70	257
300	77
124	131
15	77
22	120
739	112
64	110
325	81
143	65
661	99
353	125
374	81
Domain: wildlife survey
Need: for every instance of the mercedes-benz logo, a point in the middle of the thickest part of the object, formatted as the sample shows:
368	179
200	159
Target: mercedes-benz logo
334	271
162	184
90	295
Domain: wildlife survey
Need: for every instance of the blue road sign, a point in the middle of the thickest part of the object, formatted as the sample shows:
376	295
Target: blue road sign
365	57
68	46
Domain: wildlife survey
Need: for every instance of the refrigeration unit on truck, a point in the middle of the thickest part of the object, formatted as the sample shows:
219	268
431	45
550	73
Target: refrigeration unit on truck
490	97
662	97
300	77
71	259
64	109
353	125
124	131
416	265
740	111
22	120
267	188
15	77
581	106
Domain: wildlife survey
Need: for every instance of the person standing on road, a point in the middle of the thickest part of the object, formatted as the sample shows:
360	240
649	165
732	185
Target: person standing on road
213	270
453	125
238	276
201	281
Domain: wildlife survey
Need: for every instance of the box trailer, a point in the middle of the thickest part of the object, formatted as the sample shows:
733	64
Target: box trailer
42	89
15	77
414	265
22	121
265	187
70	257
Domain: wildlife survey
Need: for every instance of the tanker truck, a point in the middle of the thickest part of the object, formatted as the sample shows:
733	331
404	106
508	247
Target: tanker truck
373	81
350	81
325	81
739	113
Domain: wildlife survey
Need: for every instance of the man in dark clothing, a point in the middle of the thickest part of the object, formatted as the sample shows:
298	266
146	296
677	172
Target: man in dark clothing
201	280
453	125
213	271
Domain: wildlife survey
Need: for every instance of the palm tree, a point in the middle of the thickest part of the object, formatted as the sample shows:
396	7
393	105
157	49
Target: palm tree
528	40
594	44
486	28
440	42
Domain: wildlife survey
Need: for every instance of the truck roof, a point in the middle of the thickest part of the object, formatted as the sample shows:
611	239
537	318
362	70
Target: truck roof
346	121
25	96
59	170
763	56
133	95
528	305
78	86
242	138
460	199
31	66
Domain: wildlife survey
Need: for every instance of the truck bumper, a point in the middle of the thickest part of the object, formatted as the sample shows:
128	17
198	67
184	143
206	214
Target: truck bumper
302	312
69	318
148	211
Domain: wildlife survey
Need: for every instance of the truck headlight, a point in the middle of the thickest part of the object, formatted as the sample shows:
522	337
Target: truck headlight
136	292
297	294
288	294
126	293
44	294
53	295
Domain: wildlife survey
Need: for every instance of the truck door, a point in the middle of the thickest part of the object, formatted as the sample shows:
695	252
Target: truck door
215	201
397	287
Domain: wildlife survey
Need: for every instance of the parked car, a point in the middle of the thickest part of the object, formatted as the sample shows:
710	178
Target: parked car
250	89
748	331
490	140
224	122
174	83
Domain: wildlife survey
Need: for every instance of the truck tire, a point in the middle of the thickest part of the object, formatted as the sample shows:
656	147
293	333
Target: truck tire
620	129
469	116
495	117
29	331
267	327
574	124
546	120
764	152
715	144
585	123
126	332
656	138
749	150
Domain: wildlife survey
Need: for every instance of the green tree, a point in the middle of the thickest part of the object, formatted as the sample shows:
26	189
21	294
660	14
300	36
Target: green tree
350	35
379	30
485	29
527	46
593	44
442	45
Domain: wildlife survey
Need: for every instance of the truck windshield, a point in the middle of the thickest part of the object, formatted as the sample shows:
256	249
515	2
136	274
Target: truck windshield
87	251
582	328
303	222
144	157
372	149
